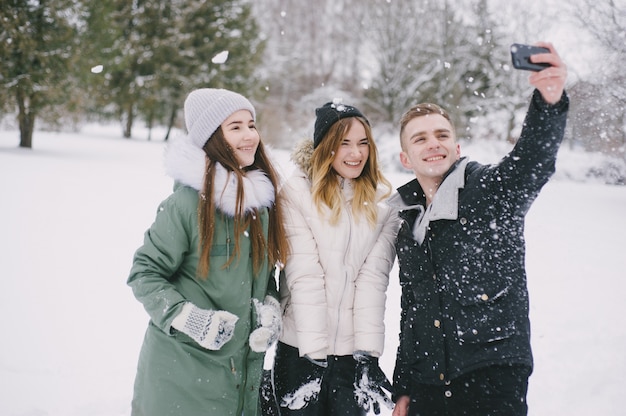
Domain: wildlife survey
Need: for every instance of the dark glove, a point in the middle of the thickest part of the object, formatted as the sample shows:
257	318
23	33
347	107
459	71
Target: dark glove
310	390
369	382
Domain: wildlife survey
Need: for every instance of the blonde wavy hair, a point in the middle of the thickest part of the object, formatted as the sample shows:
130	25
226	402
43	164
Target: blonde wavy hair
326	189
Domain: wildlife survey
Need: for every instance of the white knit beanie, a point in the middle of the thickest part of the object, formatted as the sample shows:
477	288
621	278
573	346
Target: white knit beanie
207	108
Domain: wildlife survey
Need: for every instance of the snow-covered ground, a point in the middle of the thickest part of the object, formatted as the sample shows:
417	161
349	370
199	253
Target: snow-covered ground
74	210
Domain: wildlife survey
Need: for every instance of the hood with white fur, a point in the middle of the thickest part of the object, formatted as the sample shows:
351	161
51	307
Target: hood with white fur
301	156
185	163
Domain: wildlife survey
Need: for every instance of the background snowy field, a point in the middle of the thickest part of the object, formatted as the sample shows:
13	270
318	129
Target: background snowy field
74	210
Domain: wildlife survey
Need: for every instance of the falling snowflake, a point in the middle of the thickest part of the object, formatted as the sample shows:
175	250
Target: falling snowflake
220	58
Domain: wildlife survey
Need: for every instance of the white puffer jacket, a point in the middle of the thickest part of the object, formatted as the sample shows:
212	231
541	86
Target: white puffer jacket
334	283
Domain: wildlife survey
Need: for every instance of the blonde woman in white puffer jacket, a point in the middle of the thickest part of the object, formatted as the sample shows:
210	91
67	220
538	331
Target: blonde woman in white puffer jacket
333	288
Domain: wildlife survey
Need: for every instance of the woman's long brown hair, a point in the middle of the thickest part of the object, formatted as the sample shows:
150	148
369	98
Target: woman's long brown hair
217	150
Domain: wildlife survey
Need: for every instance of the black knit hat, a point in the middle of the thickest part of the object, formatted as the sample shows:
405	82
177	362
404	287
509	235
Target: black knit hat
329	114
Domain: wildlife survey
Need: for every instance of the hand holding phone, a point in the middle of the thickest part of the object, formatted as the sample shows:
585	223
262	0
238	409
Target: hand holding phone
520	56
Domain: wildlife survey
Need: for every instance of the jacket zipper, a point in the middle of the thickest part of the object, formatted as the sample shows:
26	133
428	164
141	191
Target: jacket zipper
227	241
345	275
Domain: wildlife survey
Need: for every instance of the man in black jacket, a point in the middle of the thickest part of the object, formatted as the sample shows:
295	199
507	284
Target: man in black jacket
465	333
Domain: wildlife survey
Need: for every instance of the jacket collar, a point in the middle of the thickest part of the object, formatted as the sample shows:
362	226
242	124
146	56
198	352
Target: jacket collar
411	195
185	163
445	204
258	191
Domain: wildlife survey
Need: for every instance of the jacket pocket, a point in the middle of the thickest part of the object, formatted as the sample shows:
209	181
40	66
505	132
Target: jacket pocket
182	337
486	314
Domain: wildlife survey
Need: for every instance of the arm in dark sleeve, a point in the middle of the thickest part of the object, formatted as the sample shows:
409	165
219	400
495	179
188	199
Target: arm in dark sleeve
531	163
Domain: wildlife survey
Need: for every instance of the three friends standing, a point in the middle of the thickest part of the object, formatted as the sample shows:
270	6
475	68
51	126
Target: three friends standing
205	273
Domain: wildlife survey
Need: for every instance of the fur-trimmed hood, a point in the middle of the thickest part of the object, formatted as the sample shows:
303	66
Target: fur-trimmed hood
301	156
185	163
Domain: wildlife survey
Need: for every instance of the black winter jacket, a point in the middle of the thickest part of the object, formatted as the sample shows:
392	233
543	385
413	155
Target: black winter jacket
464	292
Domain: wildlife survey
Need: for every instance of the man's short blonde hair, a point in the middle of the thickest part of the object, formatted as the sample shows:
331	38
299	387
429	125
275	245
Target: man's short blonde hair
420	110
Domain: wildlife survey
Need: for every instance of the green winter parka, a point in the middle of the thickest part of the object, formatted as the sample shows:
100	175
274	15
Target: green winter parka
175	375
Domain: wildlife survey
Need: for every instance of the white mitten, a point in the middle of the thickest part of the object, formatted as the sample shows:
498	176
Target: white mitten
270	324
211	329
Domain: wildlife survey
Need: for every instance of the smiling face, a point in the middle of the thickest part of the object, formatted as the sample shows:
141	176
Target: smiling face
353	152
242	136
429	149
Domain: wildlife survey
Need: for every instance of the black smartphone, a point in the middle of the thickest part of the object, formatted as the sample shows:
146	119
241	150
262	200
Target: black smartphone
520	55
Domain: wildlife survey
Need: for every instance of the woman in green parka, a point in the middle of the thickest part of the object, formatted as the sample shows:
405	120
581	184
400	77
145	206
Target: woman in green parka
204	272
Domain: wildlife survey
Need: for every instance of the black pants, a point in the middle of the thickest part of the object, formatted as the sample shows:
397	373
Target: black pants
495	390
336	396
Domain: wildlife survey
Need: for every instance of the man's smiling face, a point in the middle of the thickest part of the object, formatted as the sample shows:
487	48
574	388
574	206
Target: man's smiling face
429	148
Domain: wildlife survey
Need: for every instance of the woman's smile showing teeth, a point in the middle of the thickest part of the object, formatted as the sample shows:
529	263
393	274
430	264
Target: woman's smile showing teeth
353	152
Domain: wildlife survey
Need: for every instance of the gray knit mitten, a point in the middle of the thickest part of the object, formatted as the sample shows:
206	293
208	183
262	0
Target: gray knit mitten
211	329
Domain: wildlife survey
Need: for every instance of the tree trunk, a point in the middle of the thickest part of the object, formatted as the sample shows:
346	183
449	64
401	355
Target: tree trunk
128	126
26	121
150	123
170	124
